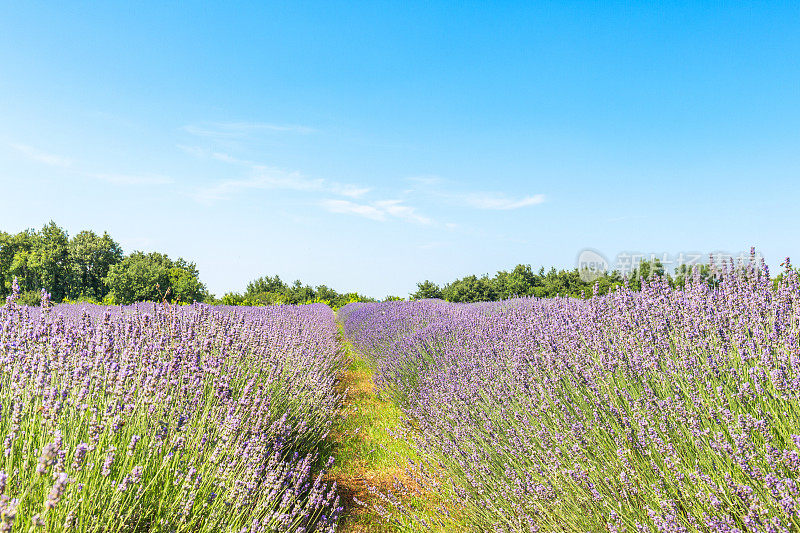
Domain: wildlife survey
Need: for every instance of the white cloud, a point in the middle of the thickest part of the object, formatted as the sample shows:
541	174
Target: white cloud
232	130
438	187
42	157
109	177
351	191
225	158
352	208
133	179
396	209
427	179
381	210
195	151
433	245
496	201
264	177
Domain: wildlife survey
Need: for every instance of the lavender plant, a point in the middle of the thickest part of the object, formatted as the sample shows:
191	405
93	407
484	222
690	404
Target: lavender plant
662	410
165	418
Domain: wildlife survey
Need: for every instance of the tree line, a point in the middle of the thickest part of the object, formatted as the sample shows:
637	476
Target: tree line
523	281
273	290
93	268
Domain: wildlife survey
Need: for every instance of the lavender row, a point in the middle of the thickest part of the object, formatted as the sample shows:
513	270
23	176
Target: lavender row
166	418
662	410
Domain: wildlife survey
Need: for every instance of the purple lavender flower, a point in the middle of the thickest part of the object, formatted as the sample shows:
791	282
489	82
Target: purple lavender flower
57	491
47	458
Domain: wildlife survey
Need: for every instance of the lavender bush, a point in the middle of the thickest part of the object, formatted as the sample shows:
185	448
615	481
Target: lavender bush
669	410
165	418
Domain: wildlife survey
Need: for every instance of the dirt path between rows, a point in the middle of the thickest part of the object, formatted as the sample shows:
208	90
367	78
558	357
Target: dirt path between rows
371	463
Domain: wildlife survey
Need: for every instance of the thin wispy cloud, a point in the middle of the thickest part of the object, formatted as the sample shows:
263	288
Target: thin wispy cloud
351	191
203	153
498	202
258	176
381	210
347	207
264	177
438	187
133	179
397	209
195	151
41	156
426	180
115	178
267	177
433	245
234	130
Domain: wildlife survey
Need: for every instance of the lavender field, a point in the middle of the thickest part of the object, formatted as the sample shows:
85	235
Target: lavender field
669	409
155	417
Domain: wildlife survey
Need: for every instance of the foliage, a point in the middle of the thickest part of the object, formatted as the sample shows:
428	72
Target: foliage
272	290
50	260
37	259
91	268
427	289
152	277
522	281
265	284
91	257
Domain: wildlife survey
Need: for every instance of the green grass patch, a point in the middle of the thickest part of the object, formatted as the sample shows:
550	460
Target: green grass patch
372	450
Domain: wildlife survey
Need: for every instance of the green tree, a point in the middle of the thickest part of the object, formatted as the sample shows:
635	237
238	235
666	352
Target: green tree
15	252
299	293
470	289
151	277
268	290
646	270
519	282
323	292
50	260
266	284
91	257
6	256
609	282
185	285
684	273
39	260
427	289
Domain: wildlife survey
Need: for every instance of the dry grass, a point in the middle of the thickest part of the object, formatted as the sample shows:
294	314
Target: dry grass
368	457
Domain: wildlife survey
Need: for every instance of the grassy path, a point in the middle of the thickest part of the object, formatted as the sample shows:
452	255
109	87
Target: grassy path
368	457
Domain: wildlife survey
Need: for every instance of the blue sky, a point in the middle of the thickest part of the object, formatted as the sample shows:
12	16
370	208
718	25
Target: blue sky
371	145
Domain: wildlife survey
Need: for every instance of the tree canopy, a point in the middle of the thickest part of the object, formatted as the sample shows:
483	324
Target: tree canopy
91	267
90	258
153	277
268	290
37	259
523	281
